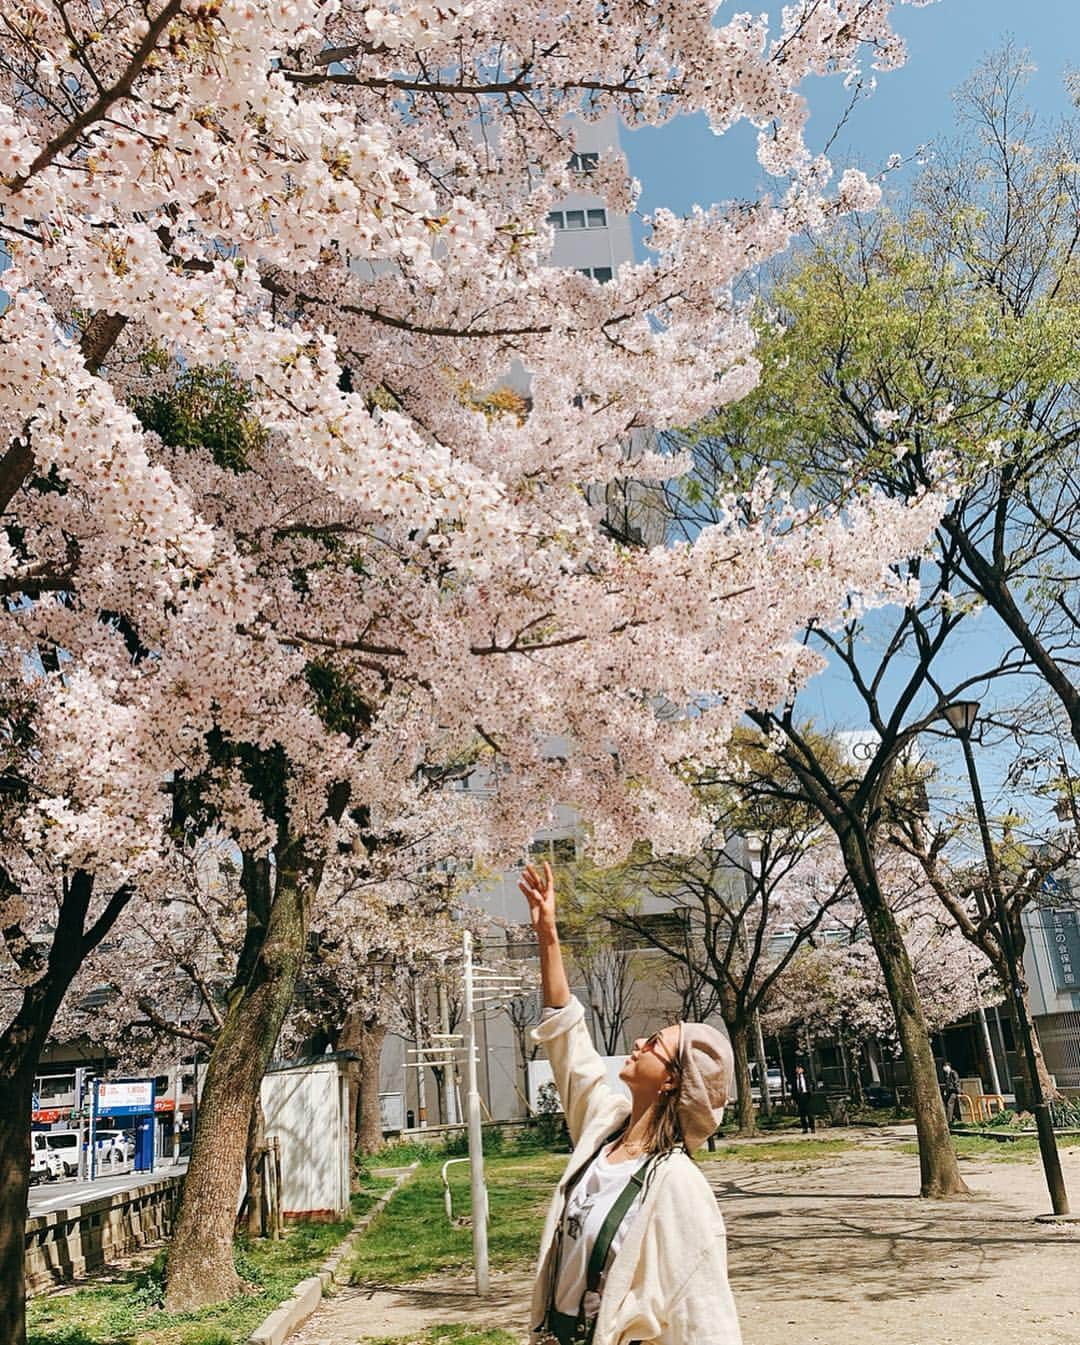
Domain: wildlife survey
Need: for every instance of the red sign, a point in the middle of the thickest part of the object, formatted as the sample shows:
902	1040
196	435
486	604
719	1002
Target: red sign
44	1118
163	1104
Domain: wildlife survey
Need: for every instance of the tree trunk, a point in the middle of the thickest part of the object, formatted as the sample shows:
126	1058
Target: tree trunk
939	1170
740	1045
1046	1084
1001	967
18	1060
438	1074
369	1138
363	1037
521	1036
255	1211
20	1048
348	1039
855	1074
200	1266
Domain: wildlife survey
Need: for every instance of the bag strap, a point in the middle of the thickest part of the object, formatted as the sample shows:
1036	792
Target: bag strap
602	1246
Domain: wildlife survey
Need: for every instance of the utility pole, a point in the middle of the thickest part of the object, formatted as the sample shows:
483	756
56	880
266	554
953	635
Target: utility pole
450	1070
476	1136
984	1029
421	1086
750	876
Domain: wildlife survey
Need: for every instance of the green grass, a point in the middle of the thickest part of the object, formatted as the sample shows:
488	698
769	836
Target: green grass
127	1310
783	1151
370	1189
1025	1149
412	1237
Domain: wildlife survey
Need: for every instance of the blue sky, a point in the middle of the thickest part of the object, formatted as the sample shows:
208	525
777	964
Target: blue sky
685	164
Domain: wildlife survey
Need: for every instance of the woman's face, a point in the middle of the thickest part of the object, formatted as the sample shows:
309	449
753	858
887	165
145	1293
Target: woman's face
648	1070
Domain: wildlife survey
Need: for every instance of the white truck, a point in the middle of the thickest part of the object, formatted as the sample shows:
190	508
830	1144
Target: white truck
53	1154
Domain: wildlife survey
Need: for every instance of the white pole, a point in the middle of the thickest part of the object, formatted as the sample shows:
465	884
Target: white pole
421	1090
476	1138
178	1079
449	1072
988	1047
93	1131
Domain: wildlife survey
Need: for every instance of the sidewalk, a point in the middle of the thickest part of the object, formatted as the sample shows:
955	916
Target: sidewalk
361	1313
844	1253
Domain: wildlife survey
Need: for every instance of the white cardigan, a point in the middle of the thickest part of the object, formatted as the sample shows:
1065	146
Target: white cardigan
668	1284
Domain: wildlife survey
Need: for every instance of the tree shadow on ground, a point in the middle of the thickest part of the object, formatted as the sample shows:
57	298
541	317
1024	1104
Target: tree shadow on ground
860	1246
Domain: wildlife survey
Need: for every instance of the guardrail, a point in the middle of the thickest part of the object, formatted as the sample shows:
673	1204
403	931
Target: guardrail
64	1244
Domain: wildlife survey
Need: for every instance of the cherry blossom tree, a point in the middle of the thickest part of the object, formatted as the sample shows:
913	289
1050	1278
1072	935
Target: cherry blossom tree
285	634
836	987
1029	855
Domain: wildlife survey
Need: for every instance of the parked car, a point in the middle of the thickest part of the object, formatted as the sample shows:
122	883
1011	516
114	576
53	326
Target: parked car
60	1149
877	1095
775	1080
114	1146
46	1164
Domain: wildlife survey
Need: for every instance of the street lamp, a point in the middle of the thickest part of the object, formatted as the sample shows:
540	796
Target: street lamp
962	716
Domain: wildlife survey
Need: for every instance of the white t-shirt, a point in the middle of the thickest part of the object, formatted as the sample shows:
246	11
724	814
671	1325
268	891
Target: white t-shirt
593	1195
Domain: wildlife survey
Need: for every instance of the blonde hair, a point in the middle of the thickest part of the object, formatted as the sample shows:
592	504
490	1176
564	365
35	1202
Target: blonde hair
665	1129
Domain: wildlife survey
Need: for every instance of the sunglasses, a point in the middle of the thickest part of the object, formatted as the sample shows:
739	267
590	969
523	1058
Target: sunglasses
653	1044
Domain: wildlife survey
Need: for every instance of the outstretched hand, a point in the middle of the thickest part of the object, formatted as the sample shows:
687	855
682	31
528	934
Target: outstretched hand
539	892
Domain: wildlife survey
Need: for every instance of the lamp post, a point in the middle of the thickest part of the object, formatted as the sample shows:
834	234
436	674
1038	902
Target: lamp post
962	716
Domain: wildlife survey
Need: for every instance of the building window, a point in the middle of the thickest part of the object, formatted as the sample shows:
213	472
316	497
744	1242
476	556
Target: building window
561	850
520	944
584	163
601	274
577	219
669	927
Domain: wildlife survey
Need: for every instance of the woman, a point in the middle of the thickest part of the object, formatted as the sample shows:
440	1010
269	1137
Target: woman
634	1248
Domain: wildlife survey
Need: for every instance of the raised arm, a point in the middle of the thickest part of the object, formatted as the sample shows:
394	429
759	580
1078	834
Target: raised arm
539	892
578	1070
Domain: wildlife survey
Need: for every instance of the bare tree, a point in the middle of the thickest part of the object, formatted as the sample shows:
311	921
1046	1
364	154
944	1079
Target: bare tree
947	848
604	965
736	913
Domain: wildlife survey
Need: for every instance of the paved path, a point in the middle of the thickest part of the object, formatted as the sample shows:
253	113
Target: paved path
843	1252
64	1195
836	1250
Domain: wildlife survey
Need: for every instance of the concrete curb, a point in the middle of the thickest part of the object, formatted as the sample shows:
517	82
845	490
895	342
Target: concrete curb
289	1316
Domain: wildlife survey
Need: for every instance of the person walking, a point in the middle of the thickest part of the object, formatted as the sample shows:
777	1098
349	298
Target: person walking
634	1250
950	1091
804	1100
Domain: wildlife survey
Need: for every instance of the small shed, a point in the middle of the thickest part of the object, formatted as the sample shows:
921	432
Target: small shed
306	1103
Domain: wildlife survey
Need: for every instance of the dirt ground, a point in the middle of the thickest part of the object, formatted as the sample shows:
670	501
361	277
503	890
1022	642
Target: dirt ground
836	1252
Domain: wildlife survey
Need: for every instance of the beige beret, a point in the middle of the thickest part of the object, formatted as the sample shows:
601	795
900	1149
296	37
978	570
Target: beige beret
707	1069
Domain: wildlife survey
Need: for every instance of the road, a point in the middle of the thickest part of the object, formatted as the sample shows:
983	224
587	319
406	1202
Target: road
63	1195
